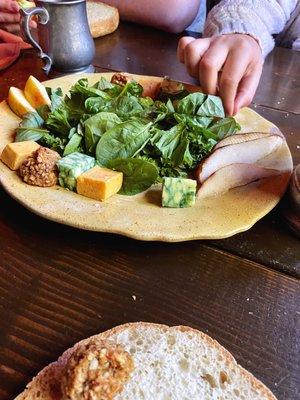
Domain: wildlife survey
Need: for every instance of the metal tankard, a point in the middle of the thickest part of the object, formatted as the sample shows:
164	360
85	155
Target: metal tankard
65	41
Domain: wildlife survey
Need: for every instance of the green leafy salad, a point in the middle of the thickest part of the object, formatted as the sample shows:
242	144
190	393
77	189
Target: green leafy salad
146	139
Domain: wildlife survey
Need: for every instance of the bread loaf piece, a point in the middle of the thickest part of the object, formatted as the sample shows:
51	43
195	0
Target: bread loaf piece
103	19
173	363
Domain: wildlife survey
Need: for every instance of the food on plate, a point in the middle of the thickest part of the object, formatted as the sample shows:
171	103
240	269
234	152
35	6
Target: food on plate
157	362
71	166
247	152
40	168
15	153
99	183
233	175
178	192
18	103
36	93
102	18
170	138
96	370
241	138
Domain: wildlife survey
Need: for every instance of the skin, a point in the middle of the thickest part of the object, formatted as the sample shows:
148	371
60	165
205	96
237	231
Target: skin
170	15
228	65
10	17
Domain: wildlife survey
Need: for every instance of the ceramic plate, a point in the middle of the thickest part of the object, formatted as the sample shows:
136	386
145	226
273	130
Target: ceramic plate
141	216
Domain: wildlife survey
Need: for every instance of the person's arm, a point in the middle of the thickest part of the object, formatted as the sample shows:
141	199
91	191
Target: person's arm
237	37
170	15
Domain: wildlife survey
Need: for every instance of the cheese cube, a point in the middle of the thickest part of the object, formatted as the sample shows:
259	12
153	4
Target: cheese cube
71	166
178	192
99	183
14	154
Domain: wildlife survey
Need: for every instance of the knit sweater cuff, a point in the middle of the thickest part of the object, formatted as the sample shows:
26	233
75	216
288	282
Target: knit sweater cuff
254	28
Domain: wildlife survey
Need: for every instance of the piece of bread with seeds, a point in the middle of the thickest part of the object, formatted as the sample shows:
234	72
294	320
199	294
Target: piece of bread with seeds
146	361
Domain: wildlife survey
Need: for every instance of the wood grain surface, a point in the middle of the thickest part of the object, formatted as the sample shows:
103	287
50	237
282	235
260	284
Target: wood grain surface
59	285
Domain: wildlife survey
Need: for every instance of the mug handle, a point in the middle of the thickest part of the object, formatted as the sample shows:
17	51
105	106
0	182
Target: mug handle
43	19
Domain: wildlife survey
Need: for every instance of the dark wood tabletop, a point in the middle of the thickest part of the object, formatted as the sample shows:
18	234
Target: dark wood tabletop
59	285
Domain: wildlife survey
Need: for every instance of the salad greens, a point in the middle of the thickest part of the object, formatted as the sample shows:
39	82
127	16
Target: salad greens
146	139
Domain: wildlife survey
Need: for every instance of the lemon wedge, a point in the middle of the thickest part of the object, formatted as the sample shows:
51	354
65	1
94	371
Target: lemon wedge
18	102
36	93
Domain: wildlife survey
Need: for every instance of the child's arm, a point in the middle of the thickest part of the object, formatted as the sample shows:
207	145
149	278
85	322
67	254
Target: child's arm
238	37
169	15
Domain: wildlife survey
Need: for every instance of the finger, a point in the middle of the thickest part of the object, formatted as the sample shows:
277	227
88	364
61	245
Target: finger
247	88
25	46
210	65
9	5
8	49
183	42
234	69
9	37
8	18
12	28
33	24
193	53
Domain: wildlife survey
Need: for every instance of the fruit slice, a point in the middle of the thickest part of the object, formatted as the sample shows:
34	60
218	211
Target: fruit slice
240	138
245	152
36	93
18	102
232	176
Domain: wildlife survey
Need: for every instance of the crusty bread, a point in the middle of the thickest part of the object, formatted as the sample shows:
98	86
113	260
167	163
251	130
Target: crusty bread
103	19
172	363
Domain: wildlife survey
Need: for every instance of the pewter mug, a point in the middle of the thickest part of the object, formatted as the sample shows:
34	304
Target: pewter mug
65	41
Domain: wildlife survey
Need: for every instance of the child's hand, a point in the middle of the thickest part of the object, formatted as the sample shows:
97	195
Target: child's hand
9	16
236	57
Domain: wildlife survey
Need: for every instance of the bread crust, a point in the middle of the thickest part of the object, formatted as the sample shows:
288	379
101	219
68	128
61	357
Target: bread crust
47	380
109	25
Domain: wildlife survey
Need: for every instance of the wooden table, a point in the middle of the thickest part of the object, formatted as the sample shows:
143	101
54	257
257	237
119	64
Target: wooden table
59	285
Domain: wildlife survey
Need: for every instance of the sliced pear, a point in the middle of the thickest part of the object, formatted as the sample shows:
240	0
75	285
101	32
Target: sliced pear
240	138
36	93
232	176
18	102
245	152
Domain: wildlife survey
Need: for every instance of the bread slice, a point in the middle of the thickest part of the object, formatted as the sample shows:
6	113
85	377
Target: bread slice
170	363
103	19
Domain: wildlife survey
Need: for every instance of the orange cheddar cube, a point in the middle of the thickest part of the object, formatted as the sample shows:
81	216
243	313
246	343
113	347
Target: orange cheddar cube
99	183
15	153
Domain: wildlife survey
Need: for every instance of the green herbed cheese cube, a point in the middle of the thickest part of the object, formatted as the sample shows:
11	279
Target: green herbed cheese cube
71	166
178	192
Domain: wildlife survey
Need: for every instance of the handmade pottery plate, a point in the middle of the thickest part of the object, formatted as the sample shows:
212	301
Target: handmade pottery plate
141	216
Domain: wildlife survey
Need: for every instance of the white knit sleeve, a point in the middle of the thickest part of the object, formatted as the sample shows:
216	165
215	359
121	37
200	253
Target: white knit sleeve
258	18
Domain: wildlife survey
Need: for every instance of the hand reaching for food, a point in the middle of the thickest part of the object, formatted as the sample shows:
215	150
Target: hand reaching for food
229	65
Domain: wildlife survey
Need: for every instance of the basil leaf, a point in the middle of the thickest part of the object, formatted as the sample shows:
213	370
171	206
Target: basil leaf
96	126
225	127
191	103
132	88
31	120
56	97
212	107
138	174
73	145
123	141
23	134
167	141
58	121
82	87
